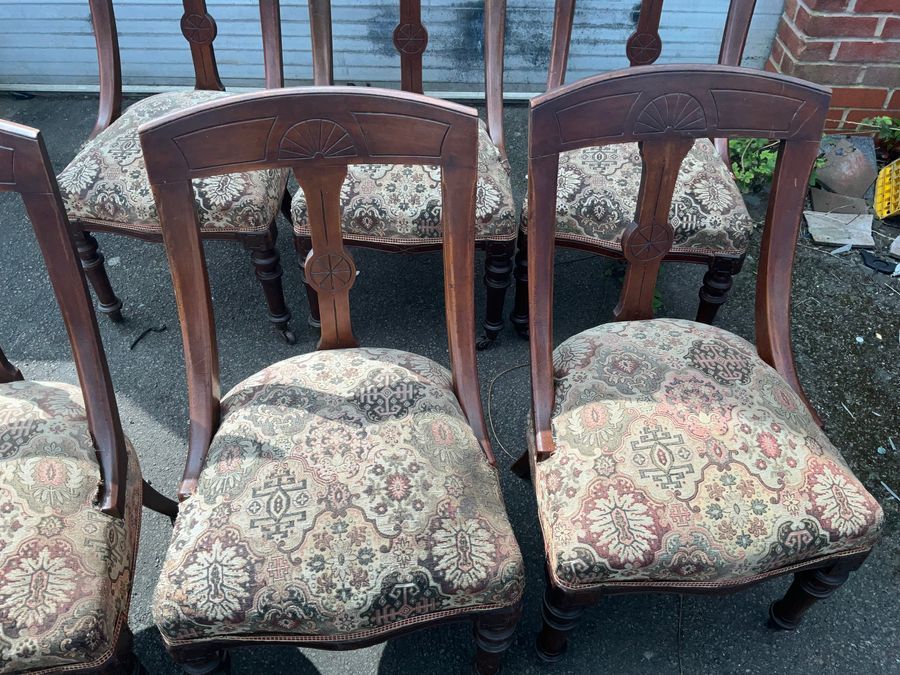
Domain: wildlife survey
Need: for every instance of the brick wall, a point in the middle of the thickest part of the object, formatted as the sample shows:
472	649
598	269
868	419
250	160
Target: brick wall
852	46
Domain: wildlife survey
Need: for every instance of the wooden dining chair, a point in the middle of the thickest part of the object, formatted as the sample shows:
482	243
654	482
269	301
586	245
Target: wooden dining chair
105	188
70	483
344	496
670	455
597	187
397	208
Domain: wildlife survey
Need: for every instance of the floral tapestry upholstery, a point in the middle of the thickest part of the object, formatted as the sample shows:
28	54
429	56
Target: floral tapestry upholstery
65	567
344	495
401	203
107	182
682	456
597	190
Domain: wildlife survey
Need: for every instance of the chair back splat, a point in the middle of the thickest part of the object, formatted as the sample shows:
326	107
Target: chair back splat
317	132
663	109
200	30
644	46
25	168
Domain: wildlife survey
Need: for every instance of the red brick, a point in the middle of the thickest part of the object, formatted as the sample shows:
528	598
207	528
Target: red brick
777	54
863	6
858	97
868	52
822	73
835	25
894	102
834	117
771	67
860	115
881	76
827	5
892	30
801	48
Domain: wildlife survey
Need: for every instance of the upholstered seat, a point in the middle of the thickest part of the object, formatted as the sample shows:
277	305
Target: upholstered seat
107	181
597	193
401	204
65	567
344	494
681	456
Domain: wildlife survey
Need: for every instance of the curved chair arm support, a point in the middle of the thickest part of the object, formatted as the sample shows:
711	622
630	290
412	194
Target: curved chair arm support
494	41
103	20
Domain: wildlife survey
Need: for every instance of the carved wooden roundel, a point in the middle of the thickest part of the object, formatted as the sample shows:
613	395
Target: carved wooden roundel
643	48
410	38
330	272
198	28
316	138
678	112
648	242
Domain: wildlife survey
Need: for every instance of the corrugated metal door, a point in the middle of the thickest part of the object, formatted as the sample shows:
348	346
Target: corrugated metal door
50	43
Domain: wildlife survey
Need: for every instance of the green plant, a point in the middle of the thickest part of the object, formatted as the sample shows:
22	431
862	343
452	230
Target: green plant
753	163
887	129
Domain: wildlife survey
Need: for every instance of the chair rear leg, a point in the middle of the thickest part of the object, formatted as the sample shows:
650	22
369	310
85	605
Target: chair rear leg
716	284
494	634
560	617
498	267
519	317
809	587
95	271
303	246
267	264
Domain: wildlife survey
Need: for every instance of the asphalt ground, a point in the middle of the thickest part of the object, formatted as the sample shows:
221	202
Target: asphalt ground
397	303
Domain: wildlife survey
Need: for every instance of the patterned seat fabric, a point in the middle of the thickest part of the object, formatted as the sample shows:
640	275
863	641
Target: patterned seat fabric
107	182
597	189
344	494
682	456
401	204
65	567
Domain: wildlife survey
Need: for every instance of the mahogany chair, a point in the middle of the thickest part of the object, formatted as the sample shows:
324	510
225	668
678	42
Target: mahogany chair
347	495
105	187
670	455
398	208
597	186
70	483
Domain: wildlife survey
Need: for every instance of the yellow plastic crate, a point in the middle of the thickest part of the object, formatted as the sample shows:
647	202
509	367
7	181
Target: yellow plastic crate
887	191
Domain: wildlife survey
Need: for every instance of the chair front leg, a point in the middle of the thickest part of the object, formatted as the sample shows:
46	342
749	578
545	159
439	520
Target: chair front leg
95	271
519	317
498	267
303	245
267	264
201	660
809	587
494	634
560	617
716	284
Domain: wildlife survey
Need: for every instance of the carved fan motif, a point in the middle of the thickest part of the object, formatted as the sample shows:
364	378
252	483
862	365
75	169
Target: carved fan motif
648	242
198	28
316	138
679	112
643	48
330	272
410	38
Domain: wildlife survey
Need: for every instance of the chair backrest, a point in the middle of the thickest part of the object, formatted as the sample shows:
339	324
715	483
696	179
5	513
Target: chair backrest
664	109
199	29
317	132
644	46
410	40
25	168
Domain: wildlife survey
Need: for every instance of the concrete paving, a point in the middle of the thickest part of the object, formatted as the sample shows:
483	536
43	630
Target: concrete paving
836	300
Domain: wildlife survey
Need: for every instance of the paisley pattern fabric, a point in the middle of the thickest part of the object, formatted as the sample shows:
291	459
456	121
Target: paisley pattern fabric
65	567
344	494
107	181
682	456
401	203
597	190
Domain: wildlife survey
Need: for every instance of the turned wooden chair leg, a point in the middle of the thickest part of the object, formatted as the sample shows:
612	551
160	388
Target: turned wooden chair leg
493	636
519	317
560	617
809	587
498	267
303	246
267	264
716	284
202	660
95	270
155	501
